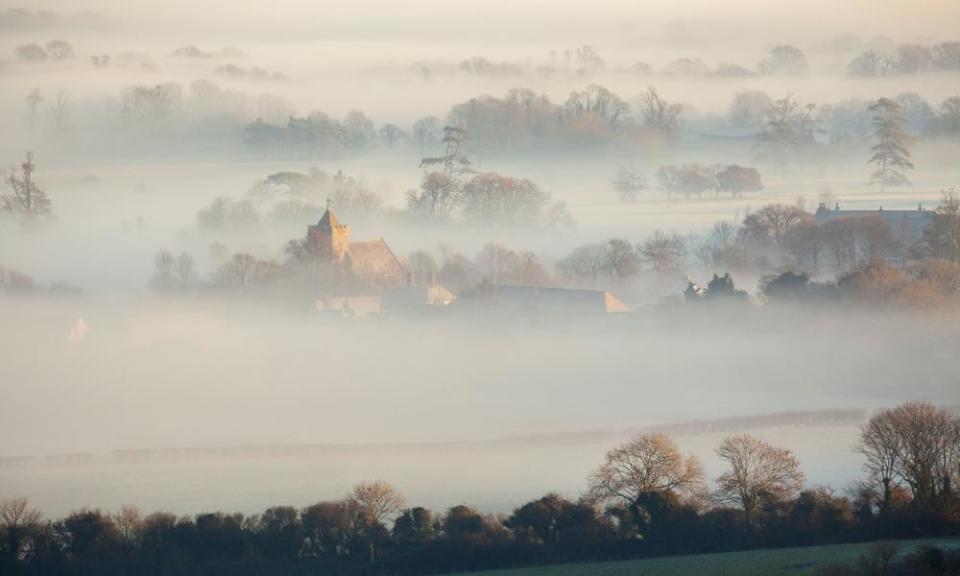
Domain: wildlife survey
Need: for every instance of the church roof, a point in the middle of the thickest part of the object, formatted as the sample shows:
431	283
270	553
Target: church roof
328	221
374	258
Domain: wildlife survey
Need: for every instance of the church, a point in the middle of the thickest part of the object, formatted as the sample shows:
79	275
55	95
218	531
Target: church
370	262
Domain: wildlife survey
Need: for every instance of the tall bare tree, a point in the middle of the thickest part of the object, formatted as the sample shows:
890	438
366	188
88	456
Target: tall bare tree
758	472
880	445
18	521
379	500
33	99
647	463
587	261
663	252
927	448
629	183
659	114
60	108
26	199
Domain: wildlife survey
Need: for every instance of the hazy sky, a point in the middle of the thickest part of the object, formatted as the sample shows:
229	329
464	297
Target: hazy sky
512	22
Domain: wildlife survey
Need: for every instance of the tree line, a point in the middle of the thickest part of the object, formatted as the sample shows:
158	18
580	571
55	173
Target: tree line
646	498
802	259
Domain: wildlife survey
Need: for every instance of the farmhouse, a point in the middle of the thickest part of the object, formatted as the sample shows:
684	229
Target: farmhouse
906	225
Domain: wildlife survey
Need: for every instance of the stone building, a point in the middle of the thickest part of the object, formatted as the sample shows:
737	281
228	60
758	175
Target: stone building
368	262
907	226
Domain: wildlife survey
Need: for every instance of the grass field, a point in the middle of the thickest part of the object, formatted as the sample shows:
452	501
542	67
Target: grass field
773	562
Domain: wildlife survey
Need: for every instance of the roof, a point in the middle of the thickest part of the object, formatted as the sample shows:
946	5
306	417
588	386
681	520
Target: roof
559	300
913	221
328	221
374	259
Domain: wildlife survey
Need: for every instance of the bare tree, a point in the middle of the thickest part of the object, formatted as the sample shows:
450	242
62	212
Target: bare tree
629	183
748	108
438	197
663	252
658	113
26	199
426	131
758	473
586	261
789	128
497	263
60	108
622	260
33	99
771	225
18	521
245	270
59	49
927	448
163	270
647	463
183	267
598	101
495	200
423	266
379	500
129	522
880	444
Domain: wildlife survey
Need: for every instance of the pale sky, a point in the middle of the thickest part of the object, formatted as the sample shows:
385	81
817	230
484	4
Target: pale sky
519	21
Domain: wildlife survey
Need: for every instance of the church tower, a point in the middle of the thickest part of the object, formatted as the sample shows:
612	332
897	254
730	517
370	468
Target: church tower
330	237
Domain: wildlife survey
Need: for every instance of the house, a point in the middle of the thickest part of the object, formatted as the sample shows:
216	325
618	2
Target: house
907	226
369	262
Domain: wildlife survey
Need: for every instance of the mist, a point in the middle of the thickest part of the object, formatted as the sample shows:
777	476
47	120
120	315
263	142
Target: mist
232	395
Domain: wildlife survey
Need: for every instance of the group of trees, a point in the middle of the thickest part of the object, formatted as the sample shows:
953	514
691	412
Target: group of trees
914	447
930	283
524	120
646	498
487	199
452	190
318	133
788	131
586	61
779	235
52	50
619	260
688	179
786	237
292	197
907	59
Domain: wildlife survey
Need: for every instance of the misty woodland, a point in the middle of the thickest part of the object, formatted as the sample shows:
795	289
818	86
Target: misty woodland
427	288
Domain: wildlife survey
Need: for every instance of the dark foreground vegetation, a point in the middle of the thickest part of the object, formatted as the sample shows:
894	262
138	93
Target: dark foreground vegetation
646	499
915	557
